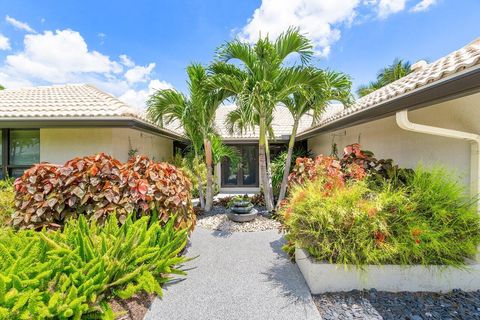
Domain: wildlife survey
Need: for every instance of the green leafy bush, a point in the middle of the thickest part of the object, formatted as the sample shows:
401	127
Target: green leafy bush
429	221
6	200
355	164
98	186
278	166
74	272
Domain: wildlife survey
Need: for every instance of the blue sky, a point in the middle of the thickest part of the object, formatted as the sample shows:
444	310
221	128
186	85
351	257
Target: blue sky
131	48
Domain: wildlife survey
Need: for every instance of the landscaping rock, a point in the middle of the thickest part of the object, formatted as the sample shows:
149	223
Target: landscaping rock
217	219
371	304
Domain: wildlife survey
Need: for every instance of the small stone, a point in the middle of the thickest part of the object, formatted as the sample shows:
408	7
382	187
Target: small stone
416	317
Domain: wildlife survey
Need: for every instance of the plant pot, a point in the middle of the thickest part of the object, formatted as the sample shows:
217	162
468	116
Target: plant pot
242	203
242	217
242	210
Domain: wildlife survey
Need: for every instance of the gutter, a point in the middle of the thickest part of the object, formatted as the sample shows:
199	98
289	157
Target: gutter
460	84
473	138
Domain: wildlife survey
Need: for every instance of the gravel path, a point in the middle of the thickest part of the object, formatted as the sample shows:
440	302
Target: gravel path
218	220
413	306
237	276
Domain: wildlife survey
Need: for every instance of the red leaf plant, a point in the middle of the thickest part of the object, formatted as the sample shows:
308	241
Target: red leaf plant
98	186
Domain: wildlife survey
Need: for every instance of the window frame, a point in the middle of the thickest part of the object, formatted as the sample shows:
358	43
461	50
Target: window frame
240	183
5	167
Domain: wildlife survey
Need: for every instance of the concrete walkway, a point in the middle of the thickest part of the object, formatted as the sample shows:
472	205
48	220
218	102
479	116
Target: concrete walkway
244	276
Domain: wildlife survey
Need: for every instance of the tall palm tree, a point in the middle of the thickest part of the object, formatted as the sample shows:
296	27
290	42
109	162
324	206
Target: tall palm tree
313	99
398	69
196	114
260	81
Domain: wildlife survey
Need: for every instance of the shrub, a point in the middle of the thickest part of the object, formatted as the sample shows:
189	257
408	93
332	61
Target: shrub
429	221
307	169
6	200
278	166
355	164
72	273
98	186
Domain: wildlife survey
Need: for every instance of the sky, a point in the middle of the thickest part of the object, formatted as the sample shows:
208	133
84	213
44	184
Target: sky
130	49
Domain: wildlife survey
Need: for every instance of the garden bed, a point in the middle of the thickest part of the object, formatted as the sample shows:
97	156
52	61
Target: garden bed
218	220
325	277
380	305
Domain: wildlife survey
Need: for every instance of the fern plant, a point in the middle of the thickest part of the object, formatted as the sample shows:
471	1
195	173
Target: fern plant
74	272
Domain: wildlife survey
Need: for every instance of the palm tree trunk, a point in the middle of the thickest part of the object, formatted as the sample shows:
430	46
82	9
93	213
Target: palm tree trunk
269	168
288	162
200	187
263	168
208	161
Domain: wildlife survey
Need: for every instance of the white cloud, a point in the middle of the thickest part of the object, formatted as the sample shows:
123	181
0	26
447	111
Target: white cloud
138	98
423	5
139	73
126	61
63	56
4	42
19	24
388	7
318	19
59	57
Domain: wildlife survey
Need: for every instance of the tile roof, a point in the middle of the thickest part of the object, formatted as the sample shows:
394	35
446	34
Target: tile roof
66	102
467	57
83	101
282	124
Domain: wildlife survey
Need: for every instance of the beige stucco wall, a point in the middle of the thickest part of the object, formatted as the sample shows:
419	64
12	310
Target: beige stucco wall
387	140
57	145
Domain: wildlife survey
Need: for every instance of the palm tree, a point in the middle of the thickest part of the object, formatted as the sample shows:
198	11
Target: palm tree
313	99
260	82
398	69
196	114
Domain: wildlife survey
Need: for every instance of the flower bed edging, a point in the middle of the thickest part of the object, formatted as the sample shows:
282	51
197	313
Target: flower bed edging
325	277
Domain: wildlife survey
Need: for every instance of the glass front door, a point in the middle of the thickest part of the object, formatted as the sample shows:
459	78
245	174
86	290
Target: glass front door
244	173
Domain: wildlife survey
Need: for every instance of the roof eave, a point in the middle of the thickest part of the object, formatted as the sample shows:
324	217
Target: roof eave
460	84
88	122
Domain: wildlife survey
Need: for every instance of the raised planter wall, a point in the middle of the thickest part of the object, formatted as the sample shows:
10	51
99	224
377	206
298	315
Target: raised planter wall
325	277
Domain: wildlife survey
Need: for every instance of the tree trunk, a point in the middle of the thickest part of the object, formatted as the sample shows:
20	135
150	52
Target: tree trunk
288	161
200	186
208	161
263	168
200	191
269	169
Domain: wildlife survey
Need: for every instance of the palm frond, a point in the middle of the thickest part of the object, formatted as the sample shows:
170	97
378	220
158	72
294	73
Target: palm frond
292	41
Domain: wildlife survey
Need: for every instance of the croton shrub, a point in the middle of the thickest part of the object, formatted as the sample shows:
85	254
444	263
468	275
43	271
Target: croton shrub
355	164
98	186
427	221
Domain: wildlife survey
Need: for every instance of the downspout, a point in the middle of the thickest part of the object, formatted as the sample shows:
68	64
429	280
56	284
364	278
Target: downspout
404	123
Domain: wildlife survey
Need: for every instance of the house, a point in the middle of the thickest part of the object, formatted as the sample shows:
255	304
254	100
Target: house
430	116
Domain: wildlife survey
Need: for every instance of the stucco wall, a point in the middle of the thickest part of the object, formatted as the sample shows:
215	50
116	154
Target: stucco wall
58	145
387	140
153	146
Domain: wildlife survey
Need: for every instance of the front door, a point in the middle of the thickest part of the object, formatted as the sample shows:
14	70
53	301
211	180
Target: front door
244	173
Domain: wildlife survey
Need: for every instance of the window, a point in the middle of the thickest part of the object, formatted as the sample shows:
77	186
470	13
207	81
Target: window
20	149
245	172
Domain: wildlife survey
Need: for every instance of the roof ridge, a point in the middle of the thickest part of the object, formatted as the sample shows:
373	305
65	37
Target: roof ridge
110	98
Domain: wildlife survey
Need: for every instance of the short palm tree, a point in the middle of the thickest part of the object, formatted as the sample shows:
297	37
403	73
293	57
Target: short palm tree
260	82
196	114
398	69
313	99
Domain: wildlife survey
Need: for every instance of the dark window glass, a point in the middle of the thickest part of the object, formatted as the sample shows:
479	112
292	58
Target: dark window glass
249	165
244	172
24	148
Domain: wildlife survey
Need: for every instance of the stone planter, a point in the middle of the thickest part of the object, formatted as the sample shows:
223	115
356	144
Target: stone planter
242	217
325	277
